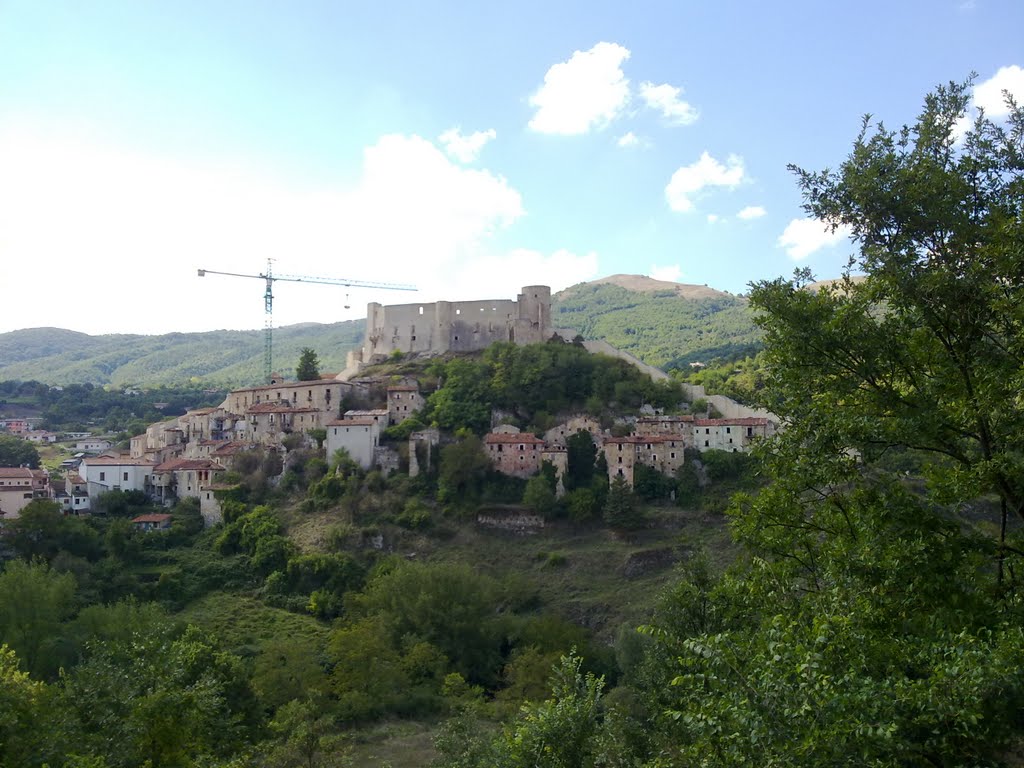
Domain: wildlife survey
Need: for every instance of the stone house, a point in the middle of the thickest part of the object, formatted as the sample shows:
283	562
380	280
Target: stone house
515	454
560	434
183	478
664	453
668	426
404	400
157	522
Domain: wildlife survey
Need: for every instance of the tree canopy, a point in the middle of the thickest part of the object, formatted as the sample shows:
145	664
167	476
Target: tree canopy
876	623
308	368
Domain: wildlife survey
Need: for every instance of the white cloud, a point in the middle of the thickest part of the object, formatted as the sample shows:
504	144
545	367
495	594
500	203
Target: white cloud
587	91
712	218
465	149
988	95
687	182
628	139
802	237
670	272
751	212
665	99
120	235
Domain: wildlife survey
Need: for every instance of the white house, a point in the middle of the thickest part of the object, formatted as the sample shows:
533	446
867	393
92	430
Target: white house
115	473
358	436
93	444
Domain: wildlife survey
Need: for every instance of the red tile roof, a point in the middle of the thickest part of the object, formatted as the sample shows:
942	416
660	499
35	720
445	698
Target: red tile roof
280	406
740	422
178	465
151	519
353	422
117	461
517	437
16	472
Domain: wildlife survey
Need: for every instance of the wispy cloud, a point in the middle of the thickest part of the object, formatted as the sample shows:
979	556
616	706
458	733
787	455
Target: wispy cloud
689	181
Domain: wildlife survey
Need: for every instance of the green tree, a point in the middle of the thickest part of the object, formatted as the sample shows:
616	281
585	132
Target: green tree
581	453
308	368
165	698
15	452
28	729
539	496
564	731
464	468
620	509
34	602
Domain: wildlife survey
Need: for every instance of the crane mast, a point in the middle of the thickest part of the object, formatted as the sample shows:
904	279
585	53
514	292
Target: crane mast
268	300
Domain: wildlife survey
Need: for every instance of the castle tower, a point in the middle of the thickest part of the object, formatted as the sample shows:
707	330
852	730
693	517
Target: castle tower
535	308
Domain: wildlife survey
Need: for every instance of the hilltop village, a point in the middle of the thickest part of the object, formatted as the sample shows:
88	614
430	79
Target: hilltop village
189	456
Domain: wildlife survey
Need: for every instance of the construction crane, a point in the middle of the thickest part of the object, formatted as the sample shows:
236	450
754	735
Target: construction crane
268	301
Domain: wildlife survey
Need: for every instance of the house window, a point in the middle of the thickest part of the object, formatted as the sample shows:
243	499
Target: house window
705	443
672	455
728	430
750	431
103	476
125	477
707	431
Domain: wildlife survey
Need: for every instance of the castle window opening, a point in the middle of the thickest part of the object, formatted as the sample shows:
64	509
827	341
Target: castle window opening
458	311
421	310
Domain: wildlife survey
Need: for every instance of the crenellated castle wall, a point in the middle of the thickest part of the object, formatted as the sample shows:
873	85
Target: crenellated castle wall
456	326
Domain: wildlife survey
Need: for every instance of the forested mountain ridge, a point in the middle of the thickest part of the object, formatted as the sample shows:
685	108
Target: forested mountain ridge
215	358
663	323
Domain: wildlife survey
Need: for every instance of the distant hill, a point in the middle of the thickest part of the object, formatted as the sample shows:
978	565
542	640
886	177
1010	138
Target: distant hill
215	358
663	323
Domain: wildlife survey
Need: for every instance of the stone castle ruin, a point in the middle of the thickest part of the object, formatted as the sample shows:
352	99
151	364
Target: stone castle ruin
453	326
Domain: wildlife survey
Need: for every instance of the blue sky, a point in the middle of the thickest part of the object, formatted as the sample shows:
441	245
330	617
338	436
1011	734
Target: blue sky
467	148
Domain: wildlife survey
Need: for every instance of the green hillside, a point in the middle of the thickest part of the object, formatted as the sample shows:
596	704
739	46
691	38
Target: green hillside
665	324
